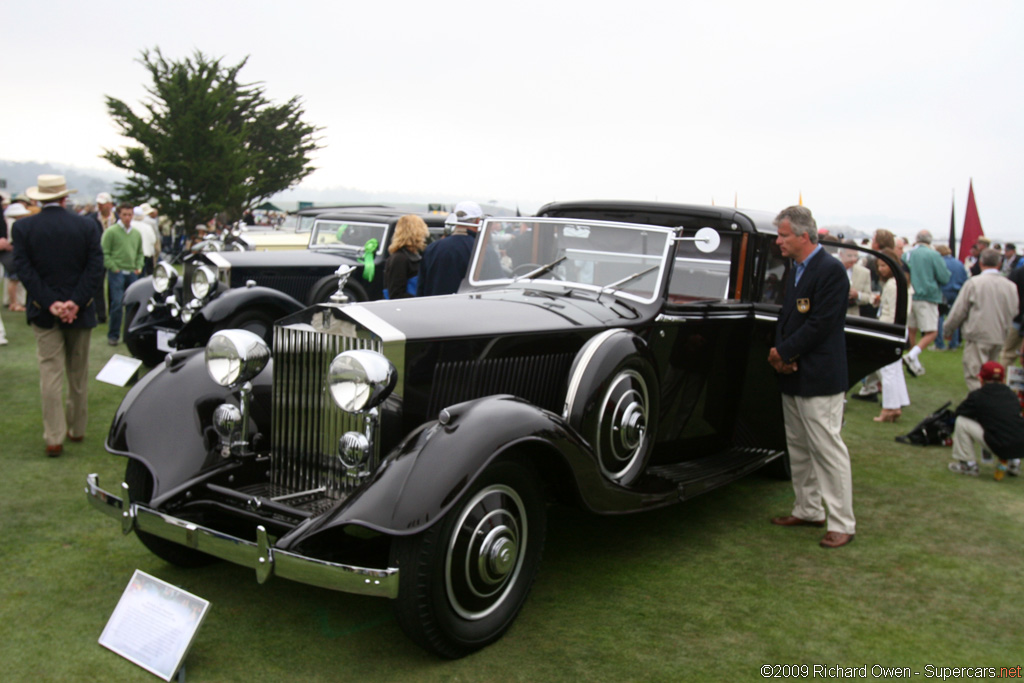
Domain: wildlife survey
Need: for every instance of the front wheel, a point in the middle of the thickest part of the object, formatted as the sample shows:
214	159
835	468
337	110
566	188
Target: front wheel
140	485
141	346
322	293
464	580
260	323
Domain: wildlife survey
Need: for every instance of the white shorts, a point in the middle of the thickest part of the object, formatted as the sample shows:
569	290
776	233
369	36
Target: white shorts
924	316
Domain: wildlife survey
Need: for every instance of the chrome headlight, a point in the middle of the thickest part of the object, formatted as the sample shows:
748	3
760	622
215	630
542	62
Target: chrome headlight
234	357
203	280
360	380
164	277
227	422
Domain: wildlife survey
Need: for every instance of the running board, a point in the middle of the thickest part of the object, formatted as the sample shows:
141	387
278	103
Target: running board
694	477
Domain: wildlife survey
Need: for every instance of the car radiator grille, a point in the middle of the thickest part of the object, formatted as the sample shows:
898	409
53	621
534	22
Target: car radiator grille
307	424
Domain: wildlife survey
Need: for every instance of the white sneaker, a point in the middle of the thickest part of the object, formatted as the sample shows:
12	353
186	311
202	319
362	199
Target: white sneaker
913	365
963	468
3	341
869	390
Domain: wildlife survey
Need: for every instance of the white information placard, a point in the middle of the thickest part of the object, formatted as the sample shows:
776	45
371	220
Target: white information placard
119	370
154	624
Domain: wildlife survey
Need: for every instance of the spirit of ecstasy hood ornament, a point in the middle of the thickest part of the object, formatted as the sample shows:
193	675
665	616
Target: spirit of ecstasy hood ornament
343	272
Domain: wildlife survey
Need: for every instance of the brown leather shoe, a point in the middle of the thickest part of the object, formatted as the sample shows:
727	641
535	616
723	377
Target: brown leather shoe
790	520
76	439
834	539
54	451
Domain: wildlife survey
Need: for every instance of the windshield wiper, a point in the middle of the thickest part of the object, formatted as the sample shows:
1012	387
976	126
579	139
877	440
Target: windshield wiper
624	280
537	272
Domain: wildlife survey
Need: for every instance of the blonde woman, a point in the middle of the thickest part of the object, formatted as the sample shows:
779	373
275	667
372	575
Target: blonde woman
894	384
401	272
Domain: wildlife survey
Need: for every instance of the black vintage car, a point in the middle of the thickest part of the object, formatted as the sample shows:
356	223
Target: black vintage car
251	289
607	355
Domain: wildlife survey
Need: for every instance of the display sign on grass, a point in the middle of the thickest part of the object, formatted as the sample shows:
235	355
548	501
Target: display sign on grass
154	624
119	370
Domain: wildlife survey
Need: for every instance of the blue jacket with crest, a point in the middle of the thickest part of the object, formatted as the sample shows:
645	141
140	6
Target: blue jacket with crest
811	328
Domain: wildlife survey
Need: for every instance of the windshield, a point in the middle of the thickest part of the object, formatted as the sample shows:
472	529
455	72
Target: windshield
346	234
305	223
595	255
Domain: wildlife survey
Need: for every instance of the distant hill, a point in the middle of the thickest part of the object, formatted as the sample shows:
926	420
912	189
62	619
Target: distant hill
21	175
91	181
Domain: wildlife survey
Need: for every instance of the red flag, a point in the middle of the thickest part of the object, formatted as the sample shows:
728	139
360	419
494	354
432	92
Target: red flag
972	225
952	227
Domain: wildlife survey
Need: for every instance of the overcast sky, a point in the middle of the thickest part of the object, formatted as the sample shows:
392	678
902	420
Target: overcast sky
877	112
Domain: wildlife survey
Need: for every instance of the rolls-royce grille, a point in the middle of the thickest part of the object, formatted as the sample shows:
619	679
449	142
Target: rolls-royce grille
538	379
307	424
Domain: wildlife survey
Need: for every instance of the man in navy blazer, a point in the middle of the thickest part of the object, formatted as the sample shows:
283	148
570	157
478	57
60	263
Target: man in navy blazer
810	358
58	258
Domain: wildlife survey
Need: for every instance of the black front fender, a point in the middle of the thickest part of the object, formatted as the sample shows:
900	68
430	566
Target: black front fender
141	324
423	477
216	314
164	418
139	292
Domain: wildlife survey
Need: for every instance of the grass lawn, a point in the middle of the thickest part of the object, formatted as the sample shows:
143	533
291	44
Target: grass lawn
707	590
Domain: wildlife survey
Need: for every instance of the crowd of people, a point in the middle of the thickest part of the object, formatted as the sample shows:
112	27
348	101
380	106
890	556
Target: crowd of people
977	306
56	257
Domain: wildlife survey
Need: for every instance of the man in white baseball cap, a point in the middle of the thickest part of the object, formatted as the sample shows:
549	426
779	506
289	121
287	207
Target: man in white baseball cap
104	217
445	261
150	238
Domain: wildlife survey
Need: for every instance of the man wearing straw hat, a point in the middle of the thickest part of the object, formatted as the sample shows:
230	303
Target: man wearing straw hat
58	258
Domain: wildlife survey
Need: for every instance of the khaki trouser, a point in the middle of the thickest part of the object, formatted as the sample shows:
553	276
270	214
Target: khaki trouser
976	355
967	433
819	460
1011	348
63	351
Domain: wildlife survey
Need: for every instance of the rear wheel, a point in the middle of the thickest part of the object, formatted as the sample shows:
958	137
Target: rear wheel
464	580
140	485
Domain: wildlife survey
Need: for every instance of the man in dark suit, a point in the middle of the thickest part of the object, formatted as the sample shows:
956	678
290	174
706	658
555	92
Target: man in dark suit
59	260
810	358
446	261
104	217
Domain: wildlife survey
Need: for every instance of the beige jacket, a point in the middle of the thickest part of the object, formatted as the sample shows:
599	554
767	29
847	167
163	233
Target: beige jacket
984	308
860	279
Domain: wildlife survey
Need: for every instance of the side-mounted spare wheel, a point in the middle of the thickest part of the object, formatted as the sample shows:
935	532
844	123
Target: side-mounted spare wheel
464	580
612	401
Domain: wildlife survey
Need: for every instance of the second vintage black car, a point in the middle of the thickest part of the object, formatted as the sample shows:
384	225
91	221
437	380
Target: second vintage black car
614	359
250	289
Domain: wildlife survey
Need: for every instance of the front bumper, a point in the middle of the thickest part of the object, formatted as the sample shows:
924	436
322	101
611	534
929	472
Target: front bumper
260	556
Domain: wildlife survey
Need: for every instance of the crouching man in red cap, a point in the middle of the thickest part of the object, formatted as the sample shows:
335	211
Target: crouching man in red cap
989	416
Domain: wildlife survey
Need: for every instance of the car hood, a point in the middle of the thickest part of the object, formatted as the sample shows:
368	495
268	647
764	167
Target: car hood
494	313
284	259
